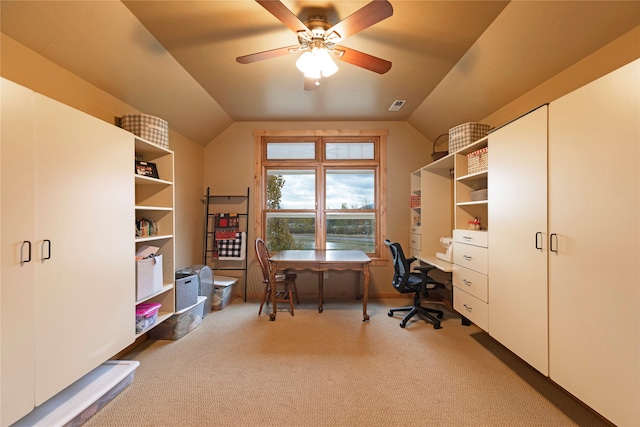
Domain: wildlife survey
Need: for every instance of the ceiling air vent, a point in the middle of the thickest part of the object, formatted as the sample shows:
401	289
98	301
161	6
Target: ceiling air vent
397	104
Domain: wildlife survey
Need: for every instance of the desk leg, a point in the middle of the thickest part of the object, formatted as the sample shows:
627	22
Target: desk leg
365	295
321	290
272	285
358	285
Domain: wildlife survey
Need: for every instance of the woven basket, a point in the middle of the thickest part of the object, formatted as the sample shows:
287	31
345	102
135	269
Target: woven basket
437	155
151	128
478	161
464	134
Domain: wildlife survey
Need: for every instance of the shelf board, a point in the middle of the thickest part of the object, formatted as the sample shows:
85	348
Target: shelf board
161	318
147	180
165	288
152	238
144	146
153	208
473	176
445	164
476	202
476	145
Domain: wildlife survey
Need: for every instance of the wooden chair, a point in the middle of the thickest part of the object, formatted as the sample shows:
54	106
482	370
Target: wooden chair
286	281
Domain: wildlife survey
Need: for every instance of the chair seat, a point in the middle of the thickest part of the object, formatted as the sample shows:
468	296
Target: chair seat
414	283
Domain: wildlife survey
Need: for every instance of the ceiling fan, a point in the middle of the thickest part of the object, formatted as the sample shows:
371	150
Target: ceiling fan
318	40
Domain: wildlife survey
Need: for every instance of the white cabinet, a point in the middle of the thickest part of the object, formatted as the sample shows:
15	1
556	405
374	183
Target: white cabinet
518	237
594	221
564	203
17	231
67	191
470	280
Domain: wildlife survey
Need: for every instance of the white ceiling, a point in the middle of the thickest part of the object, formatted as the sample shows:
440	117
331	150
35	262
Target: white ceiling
453	61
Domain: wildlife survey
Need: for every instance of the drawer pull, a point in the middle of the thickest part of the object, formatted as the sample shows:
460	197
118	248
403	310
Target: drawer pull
466	307
466	282
466	257
467	238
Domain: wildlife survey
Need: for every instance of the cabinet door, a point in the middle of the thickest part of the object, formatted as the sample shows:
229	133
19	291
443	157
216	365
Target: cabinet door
517	238
594	280
17	279
85	208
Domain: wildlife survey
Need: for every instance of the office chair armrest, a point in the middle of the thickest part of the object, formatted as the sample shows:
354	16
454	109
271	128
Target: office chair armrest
424	268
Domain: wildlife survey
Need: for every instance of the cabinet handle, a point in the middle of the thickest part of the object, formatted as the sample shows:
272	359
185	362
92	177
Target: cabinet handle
46	242
466	257
466	282
551	239
466	307
22	260
539	246
467	238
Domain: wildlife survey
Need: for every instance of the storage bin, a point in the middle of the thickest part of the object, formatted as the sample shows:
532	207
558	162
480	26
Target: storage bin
146	315
464	134
479	195
181	323
186	290
205	283
151	128
478	161
222	291
148	277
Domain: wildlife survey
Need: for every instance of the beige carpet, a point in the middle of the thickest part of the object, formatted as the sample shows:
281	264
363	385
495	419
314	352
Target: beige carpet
333	369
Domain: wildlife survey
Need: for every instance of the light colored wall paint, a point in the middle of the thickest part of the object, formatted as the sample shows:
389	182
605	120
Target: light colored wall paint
619	52
229	169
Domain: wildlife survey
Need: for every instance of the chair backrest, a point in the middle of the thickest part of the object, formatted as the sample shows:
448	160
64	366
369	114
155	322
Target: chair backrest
401	266
263	258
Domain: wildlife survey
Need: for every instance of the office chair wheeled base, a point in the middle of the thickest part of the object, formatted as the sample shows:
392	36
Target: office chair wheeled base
418	309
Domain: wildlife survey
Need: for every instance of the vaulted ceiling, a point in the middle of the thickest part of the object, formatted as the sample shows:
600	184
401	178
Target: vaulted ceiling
453	61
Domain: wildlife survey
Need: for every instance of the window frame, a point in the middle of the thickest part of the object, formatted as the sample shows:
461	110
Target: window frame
320	164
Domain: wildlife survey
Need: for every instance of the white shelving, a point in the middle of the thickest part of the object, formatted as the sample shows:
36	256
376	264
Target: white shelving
154	200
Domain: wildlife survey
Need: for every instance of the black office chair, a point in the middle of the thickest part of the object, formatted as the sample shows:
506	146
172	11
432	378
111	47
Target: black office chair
406	281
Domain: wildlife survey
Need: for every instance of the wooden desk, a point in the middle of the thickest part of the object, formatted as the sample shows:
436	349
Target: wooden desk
319	260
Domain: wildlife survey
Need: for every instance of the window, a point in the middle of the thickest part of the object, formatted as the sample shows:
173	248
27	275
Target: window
321	189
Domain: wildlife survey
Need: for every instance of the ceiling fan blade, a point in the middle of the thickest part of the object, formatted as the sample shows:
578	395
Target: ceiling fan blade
364	60
363	18
267	54
310	83
288	18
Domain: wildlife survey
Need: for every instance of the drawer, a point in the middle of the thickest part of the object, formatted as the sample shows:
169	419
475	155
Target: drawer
472	308
414	241
471	237
472	282
414	229
472	257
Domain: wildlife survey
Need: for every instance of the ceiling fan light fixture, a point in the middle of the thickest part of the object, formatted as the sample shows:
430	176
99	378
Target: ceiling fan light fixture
316	63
